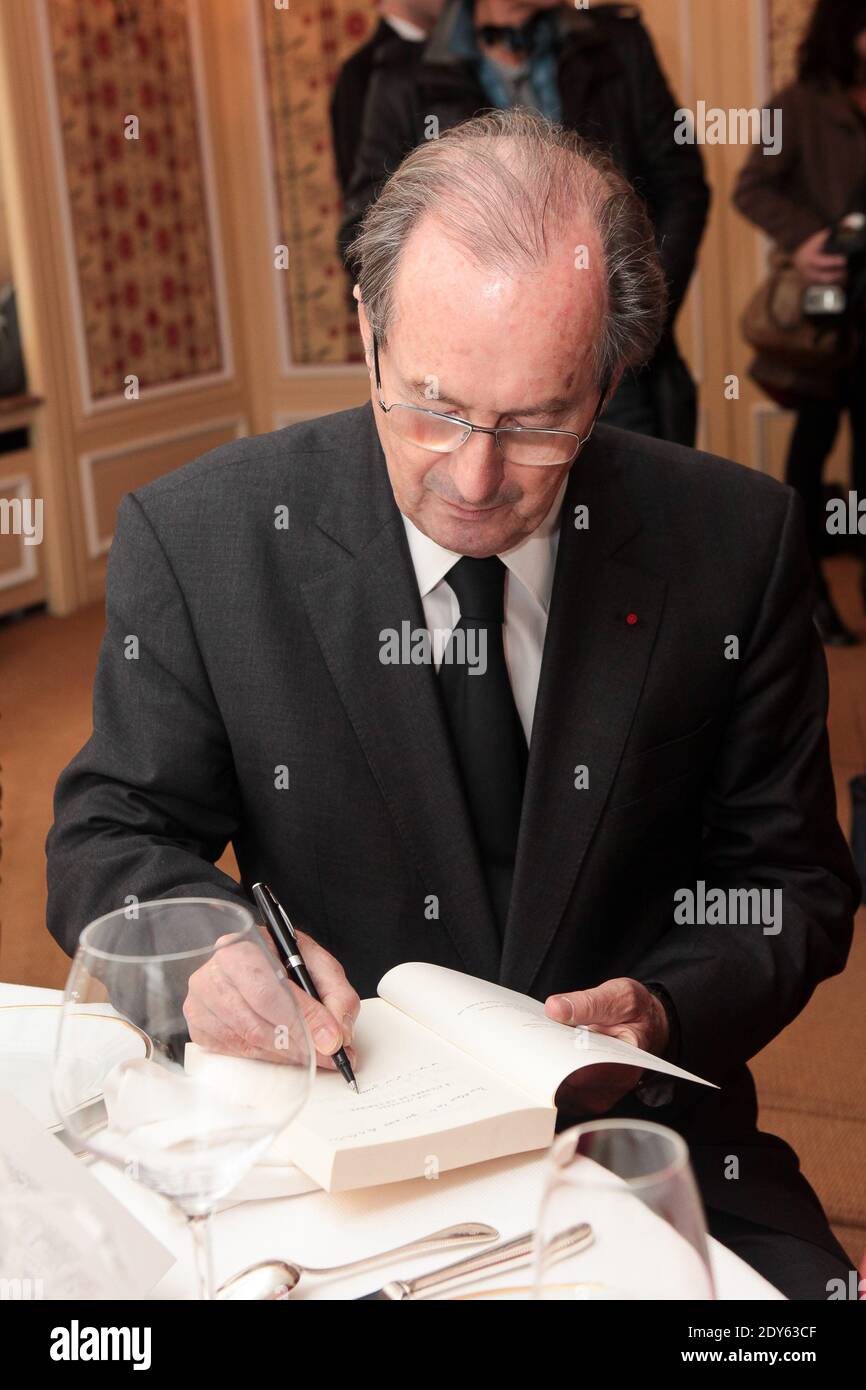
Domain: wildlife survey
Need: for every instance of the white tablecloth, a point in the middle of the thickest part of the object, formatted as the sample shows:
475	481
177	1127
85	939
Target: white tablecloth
317	1228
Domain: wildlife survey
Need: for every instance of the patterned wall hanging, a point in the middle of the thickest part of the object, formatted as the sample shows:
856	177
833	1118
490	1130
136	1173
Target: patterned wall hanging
142	247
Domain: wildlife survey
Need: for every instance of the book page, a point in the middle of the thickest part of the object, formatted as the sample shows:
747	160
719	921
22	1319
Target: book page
409	1082
419	1098
506	1031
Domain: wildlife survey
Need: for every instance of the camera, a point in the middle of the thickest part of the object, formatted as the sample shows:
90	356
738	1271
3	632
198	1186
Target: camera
848	239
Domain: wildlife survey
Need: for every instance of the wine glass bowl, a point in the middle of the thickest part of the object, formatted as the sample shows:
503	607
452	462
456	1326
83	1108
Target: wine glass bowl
155	1108
633	1182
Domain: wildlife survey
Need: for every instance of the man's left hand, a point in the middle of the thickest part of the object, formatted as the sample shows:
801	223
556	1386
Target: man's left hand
623	1009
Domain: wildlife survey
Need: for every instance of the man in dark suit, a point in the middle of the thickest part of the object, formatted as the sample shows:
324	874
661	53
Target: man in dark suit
643	715
596	71
397	39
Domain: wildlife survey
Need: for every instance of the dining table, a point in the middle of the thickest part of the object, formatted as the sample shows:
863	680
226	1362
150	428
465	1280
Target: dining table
277	1216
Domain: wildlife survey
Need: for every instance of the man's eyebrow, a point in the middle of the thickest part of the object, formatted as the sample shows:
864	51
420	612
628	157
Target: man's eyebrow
554	405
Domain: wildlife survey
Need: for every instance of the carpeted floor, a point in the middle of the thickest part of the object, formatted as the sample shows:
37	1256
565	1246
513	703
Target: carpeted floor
811	1078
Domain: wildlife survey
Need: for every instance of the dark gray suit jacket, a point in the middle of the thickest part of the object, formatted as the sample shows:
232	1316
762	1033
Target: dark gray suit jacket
259	650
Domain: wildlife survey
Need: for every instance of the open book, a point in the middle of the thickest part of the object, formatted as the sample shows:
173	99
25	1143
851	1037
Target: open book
451	1070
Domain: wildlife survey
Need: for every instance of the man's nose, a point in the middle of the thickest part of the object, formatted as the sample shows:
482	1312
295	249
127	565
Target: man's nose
477	468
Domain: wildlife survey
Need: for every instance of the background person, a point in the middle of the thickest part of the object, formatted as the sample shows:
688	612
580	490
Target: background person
398	38
795	197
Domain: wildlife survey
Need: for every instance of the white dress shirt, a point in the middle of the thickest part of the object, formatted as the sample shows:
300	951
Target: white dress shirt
528	585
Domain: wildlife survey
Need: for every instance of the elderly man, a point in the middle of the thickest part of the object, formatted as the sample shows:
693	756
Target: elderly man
647	722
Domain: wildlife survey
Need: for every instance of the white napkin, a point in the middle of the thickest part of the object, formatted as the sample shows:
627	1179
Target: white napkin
162	1107
167	1109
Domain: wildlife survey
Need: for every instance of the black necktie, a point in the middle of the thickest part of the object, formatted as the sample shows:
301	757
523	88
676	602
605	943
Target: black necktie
485	726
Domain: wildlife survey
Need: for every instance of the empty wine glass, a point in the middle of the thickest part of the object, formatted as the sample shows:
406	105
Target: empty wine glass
175	1118
633	1182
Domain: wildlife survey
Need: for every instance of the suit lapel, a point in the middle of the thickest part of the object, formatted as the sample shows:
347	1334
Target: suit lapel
395	709
593	669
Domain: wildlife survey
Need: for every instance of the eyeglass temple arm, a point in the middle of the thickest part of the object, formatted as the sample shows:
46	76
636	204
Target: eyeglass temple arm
376	364
601	400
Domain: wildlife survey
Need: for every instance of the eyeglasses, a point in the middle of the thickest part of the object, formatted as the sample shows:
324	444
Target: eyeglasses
442	434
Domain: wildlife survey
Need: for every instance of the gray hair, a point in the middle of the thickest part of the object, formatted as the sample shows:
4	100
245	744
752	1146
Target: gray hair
492	183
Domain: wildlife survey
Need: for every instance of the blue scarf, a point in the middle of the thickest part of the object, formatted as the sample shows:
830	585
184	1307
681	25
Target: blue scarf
543	62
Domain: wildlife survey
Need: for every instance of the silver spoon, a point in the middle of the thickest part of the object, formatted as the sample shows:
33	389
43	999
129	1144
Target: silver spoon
275	1279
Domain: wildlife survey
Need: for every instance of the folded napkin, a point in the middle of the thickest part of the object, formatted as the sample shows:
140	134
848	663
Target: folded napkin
275	1175
161	1110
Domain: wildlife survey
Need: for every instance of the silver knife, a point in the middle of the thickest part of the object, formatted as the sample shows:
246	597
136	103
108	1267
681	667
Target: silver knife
510	1254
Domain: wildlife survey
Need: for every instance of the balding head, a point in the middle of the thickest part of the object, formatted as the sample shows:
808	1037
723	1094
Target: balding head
509	274
504	187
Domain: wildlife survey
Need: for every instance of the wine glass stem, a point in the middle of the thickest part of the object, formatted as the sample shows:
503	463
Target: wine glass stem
200	1230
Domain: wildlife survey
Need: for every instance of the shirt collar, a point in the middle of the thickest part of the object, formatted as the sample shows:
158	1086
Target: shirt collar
532	561
405	28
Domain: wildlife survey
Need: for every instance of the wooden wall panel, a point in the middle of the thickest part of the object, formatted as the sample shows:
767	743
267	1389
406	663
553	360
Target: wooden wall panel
108	474
123	253
21	581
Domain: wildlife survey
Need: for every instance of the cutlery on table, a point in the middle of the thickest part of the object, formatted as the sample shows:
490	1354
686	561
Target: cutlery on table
509	1255
275	1279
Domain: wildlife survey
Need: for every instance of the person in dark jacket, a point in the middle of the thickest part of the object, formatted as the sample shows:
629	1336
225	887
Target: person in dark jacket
596	72
402	30
603	642
796	197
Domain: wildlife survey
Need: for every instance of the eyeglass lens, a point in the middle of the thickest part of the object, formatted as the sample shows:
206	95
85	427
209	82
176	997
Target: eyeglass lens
443	436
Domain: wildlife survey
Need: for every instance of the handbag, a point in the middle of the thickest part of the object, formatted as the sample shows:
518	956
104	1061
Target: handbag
796	360
773	322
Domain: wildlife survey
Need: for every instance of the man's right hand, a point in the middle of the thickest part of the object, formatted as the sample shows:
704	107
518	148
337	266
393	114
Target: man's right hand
815	267
235	1004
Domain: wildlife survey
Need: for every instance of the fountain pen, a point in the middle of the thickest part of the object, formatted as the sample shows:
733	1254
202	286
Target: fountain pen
284	937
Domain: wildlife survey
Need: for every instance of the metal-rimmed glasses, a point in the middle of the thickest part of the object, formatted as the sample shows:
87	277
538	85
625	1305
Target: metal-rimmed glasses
442	434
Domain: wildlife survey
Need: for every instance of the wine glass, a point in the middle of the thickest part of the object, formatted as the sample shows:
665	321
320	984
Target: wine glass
633	1182
182	1120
